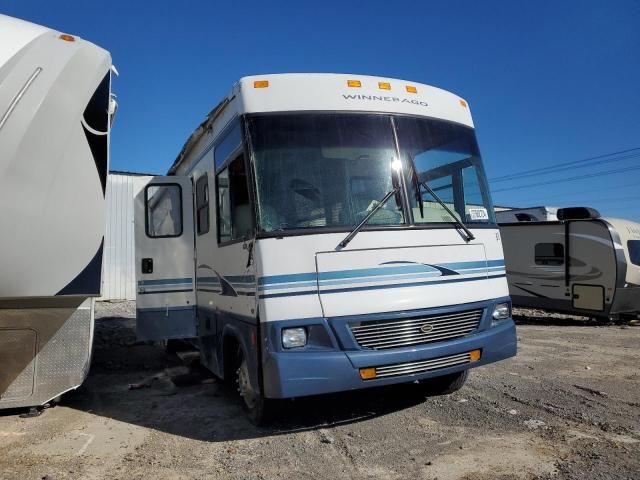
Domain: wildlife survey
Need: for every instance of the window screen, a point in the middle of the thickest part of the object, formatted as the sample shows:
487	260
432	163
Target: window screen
163	210
202	204
549	254
634	251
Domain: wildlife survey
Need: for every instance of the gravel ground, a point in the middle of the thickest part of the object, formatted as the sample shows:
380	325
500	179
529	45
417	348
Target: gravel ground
567	407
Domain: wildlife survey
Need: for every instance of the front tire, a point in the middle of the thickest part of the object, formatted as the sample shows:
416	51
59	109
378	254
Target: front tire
258	409
446	384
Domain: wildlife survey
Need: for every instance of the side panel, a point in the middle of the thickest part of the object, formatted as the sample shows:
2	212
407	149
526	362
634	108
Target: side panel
588	297
45	349
593	266
536	256
165	300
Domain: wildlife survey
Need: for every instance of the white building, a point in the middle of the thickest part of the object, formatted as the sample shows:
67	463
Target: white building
119	270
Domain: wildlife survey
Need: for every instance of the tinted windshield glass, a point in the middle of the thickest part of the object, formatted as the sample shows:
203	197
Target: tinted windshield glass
323	170
447	159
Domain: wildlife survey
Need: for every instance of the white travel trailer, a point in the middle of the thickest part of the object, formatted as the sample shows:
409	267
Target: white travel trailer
55	106
532	214
323	232
581	263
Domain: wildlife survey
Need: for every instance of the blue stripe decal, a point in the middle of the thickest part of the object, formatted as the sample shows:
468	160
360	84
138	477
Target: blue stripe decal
369	272
376	278
166	281
381	287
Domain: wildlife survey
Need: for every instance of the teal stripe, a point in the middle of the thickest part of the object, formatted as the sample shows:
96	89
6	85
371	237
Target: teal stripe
166	281
373	272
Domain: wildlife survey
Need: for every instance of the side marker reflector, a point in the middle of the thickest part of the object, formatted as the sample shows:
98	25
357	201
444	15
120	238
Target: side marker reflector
474	355
367	373
261	84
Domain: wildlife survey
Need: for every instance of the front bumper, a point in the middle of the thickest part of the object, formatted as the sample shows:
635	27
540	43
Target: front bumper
315	371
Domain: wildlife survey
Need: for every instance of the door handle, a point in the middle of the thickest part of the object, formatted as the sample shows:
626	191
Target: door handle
147	265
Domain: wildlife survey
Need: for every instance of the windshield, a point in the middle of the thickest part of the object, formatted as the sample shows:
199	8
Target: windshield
323	170
447	159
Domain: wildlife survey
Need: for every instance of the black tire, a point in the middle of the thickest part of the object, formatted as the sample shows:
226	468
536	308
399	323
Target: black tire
258	409
446	384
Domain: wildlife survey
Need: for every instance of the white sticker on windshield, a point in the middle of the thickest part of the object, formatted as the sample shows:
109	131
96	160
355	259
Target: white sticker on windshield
478	214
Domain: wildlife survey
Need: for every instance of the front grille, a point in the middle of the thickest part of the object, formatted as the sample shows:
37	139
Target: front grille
422	366
383	334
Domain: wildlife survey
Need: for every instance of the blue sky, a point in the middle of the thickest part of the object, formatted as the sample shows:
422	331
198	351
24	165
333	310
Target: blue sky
547	82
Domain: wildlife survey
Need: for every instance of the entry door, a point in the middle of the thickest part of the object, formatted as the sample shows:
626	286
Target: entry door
164	238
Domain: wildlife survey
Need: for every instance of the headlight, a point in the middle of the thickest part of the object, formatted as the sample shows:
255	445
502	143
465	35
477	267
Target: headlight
294	337
502	311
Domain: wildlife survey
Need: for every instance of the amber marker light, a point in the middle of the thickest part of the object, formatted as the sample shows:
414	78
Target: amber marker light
411	89
261	84
474	355
367	373
67	38
384	86
354	83
463	103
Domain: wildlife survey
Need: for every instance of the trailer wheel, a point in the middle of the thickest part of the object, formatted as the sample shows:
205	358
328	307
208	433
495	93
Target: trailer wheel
446	384
258	408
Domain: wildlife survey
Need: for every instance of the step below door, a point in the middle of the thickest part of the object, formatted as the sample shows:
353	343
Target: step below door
165	299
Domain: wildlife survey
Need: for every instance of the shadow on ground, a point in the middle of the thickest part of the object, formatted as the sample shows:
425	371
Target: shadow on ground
201	407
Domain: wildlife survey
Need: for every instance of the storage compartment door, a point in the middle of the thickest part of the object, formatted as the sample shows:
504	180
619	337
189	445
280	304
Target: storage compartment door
588	297
164	233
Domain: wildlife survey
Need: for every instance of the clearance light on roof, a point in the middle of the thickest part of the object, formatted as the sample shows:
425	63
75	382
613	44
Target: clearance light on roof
463	103
384	86
67	38
354	83
411	89
261	84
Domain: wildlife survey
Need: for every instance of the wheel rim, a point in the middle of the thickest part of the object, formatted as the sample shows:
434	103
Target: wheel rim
249	396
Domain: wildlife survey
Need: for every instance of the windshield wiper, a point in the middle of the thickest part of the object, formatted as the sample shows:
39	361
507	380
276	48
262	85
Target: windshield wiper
418	183
373	211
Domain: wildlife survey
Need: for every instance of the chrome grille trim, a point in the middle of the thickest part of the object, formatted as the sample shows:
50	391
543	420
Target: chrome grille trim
422	366
384	334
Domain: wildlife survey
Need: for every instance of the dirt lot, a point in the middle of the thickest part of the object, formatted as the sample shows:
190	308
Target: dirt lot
567	407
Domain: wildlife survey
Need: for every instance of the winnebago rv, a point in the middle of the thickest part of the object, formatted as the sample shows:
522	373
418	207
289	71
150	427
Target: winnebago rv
581	263
55	109
322	232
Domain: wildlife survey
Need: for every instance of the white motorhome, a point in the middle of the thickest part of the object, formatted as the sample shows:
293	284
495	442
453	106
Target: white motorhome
579	263
531	214
324	232
55	105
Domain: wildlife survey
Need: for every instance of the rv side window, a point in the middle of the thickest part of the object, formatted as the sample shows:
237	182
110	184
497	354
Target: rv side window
634	251
235	220
549	254
163	210
202	204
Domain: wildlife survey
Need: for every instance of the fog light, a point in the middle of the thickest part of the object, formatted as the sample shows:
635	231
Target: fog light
502	311
294	337
474	355
368	373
